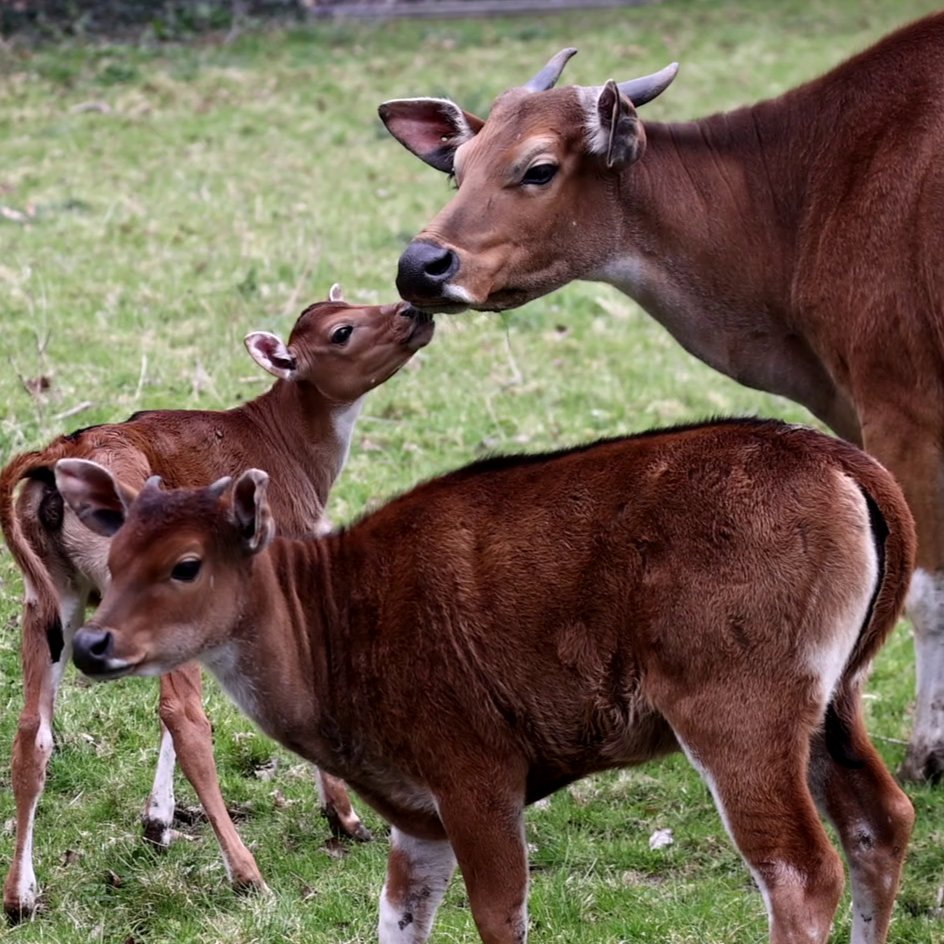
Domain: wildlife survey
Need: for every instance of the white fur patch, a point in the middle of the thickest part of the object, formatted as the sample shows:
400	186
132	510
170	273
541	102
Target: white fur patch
30	597
160	808
408	919
343	420
598	137
829	659
224	664
926	609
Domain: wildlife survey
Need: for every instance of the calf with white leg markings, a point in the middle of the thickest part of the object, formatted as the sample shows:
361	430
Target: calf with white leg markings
719	588
301	430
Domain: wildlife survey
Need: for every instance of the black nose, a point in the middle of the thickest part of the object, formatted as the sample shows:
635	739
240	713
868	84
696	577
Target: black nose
424	269
91	649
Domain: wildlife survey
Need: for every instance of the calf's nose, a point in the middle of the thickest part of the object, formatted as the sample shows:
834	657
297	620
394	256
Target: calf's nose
424	269
91	649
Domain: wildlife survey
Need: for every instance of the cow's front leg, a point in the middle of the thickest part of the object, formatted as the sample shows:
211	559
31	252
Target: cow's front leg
925	757
418	873
911	451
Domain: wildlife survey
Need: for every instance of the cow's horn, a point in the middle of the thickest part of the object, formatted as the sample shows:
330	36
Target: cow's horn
546	78
645	89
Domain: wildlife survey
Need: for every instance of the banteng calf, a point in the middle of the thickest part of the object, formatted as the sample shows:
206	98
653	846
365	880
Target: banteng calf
501	631
796	245
300	430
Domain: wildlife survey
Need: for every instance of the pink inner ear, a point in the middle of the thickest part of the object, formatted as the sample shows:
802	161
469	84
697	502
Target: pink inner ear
422	133
431	129
265	346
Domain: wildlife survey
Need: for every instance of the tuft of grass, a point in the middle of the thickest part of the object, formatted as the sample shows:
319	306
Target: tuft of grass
163	201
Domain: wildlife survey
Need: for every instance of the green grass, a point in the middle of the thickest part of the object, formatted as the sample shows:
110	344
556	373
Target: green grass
175	198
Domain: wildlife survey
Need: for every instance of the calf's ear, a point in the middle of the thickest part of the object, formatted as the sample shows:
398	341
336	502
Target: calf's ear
251	511
336	294
430	128
94	494
270	353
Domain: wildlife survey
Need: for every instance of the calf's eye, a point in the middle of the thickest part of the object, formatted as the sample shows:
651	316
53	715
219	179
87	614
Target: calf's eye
341	335
186	570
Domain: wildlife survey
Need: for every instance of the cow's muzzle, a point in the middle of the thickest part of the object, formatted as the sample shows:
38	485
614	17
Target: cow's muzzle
424	272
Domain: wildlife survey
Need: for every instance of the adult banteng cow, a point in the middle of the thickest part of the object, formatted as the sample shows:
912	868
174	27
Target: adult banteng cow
796	245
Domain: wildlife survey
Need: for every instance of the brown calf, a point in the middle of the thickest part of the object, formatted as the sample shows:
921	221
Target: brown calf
501	631
300	429
796	245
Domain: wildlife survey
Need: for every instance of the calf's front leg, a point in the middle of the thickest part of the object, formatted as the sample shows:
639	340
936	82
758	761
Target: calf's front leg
182	713
486	829
418	873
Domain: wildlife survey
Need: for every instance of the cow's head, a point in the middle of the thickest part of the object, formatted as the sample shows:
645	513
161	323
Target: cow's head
538	185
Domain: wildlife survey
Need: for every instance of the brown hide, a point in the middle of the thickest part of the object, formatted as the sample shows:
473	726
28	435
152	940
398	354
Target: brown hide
795	245
299	430
502	630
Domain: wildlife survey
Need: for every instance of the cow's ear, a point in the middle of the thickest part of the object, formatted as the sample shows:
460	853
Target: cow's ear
615	133
430	128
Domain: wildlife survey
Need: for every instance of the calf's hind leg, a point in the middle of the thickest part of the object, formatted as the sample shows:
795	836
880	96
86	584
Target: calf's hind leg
873	817
337	809
757	776
44	658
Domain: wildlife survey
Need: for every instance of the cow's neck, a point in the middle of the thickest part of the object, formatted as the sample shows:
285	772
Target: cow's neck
710	221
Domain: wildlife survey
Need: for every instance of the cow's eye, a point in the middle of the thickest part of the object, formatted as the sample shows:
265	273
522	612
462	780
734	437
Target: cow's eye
539	174
341	335
186	570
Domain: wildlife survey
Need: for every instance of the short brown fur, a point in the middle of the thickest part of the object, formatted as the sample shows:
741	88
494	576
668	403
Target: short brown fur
300	429
794	245
503	630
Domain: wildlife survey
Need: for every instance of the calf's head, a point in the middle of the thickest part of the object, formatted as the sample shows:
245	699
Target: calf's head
344	350
538	187
179	563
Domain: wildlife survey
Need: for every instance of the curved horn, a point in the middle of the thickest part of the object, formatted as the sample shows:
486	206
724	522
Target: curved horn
546	78
219	486
645	89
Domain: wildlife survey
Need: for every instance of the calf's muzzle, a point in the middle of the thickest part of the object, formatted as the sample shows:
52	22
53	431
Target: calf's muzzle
92	649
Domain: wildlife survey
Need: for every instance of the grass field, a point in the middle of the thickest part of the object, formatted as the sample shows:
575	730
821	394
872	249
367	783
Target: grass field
158	203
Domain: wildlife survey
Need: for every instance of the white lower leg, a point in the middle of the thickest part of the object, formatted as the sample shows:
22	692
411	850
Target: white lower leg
418	873
926	608
159	812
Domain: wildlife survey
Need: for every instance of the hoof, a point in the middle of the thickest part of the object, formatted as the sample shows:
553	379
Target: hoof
352	828
249	885
20	910
157	834
920	767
